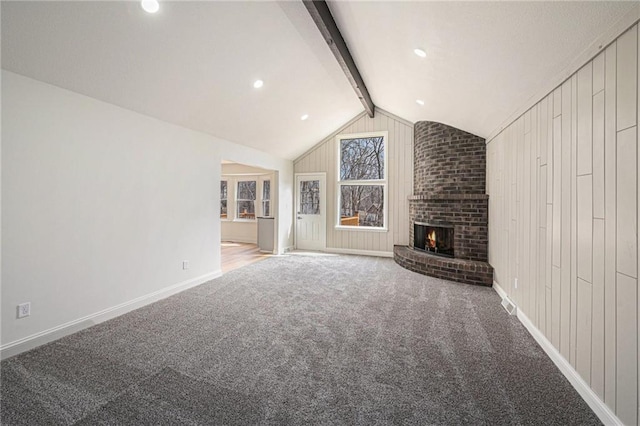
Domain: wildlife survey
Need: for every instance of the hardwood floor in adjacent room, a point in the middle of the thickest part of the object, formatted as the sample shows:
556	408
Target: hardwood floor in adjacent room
237	255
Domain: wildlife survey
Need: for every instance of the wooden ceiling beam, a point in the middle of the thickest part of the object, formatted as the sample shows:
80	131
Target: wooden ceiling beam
319	11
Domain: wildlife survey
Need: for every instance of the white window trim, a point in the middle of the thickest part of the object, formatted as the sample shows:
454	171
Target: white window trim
270	199
229	215
377	182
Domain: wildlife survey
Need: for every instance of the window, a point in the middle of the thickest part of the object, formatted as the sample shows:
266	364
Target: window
243	197
309	197
246	200
223	199
266	198
362	180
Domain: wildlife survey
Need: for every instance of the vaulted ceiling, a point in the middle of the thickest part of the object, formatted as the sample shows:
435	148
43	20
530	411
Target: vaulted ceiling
194	63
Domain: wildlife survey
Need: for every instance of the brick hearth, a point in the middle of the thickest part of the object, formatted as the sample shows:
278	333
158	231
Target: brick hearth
449	189
465	271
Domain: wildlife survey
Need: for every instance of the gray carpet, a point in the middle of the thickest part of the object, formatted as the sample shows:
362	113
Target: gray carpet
299	340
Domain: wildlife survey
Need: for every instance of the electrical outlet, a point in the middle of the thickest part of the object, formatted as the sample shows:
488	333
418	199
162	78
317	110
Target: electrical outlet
185	264
24	310
516	283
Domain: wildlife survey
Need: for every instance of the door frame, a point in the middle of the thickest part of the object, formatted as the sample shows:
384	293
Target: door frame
323	205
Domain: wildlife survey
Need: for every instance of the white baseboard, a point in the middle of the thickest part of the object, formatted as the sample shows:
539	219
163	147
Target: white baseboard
359	252
499	290
598	406
27	343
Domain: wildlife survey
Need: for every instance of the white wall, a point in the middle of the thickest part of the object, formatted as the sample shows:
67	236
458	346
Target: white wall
101	205
243	169
563	220
239	232
322	158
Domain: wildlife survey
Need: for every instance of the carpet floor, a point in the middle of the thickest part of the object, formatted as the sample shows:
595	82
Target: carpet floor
301	339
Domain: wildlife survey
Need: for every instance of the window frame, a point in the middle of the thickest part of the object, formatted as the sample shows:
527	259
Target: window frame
262	199
237	217
232	192
228	217
363	182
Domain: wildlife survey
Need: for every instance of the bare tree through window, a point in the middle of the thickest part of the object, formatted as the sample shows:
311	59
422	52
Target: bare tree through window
362	181
266	198
362	158
310	197
223	199
246	199
365	202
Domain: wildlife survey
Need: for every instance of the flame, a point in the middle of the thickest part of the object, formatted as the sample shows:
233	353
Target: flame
432	239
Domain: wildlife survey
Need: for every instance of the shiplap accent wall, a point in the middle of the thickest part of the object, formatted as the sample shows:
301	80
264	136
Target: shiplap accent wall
322	158
563	220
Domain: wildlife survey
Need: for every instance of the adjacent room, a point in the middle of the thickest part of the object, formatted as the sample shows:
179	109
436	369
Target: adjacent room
247	219
320	212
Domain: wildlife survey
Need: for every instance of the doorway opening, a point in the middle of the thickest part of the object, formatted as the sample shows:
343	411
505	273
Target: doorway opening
248	204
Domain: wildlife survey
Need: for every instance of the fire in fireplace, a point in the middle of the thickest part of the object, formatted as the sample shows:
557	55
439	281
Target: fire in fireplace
436	239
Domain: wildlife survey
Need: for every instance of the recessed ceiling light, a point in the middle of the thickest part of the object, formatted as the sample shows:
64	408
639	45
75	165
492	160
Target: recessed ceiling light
150	6
304	117
420	102
258	84
420	53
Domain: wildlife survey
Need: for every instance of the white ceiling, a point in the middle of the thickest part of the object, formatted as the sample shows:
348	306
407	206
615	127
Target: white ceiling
194	63
484	59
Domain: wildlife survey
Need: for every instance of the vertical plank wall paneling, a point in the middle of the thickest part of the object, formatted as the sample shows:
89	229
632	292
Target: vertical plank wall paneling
322	158
563	200
610	228
567	284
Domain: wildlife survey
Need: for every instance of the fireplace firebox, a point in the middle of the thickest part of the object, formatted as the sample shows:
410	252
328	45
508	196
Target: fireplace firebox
435	239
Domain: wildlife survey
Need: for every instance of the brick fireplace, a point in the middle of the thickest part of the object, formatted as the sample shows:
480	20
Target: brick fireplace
448	203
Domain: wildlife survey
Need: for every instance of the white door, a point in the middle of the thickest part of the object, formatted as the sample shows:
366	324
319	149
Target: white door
311	217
